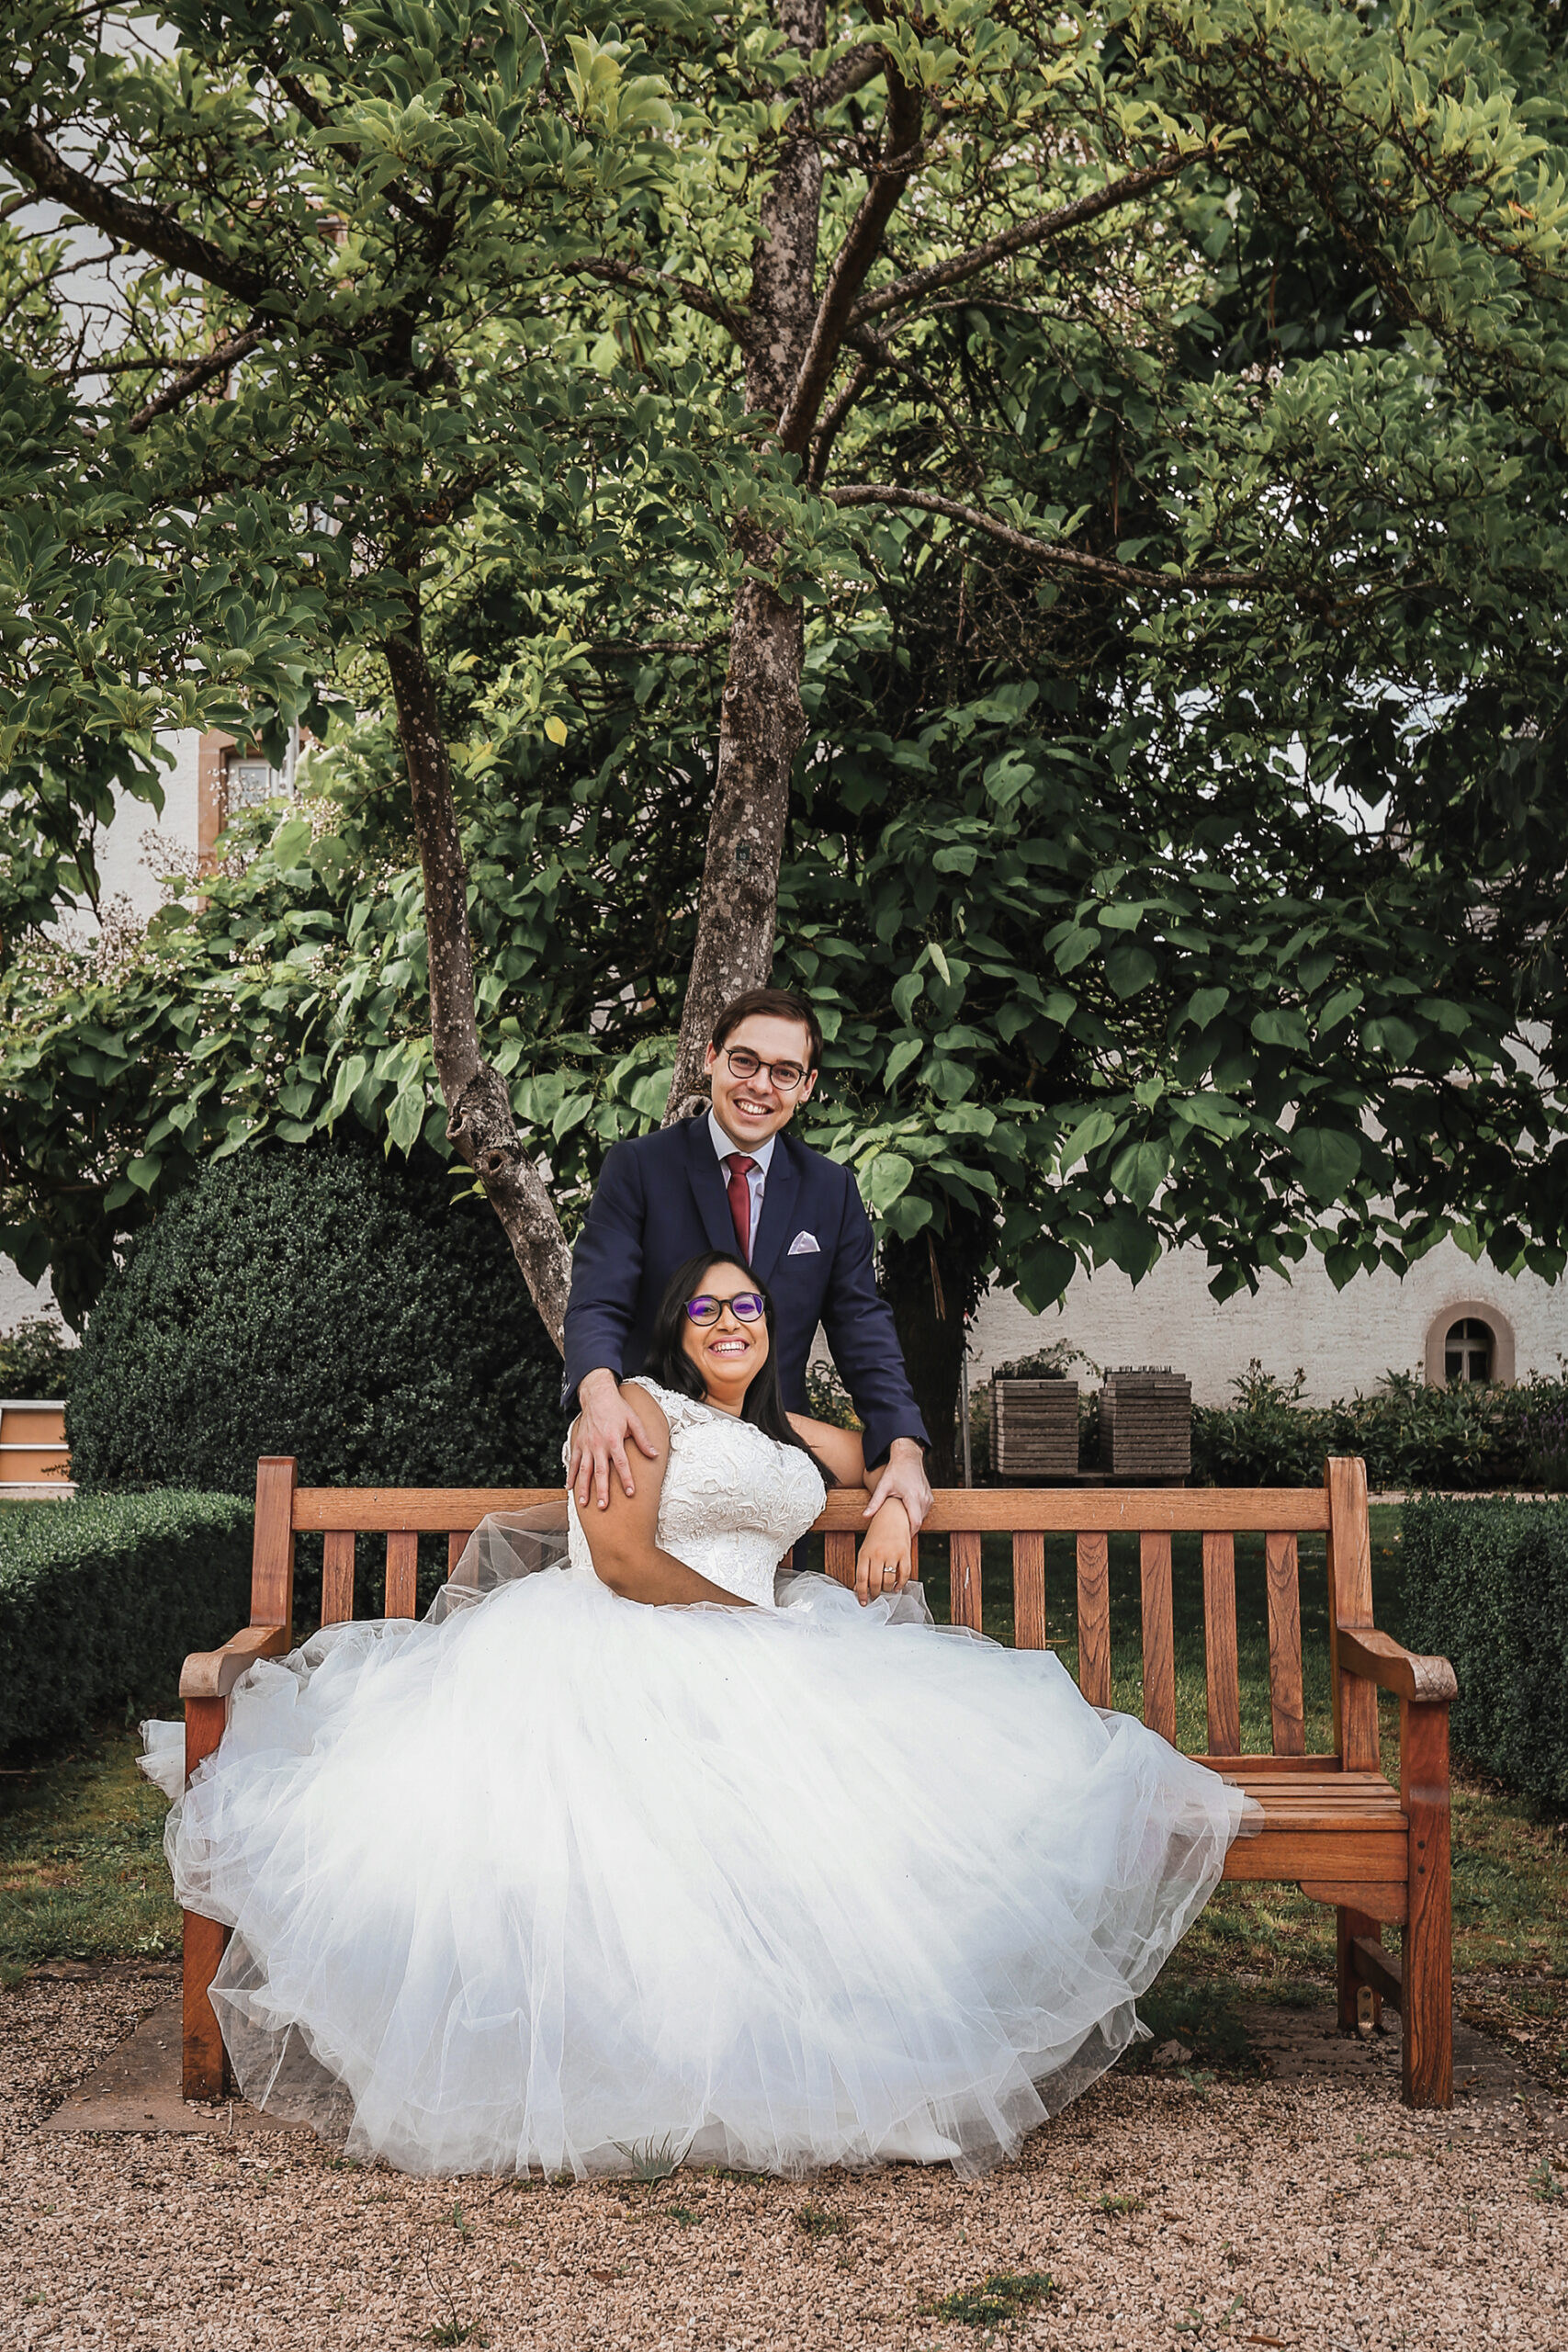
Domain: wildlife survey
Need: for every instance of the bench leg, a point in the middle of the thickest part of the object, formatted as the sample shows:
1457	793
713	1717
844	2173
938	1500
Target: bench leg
1428	2002
1347	1926
204	2067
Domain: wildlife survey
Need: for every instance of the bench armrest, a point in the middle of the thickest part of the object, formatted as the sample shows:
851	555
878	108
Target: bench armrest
212	1674
1378	1657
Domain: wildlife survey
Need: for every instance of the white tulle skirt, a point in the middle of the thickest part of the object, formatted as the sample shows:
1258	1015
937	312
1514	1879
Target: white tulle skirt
564	1882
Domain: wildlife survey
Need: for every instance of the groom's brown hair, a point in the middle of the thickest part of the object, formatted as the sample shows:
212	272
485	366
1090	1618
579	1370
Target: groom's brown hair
773	1004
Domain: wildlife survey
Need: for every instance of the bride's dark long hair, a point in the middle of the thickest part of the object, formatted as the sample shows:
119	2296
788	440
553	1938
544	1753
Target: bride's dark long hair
671	1367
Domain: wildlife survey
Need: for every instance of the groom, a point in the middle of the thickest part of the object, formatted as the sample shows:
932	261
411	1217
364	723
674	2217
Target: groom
732	1180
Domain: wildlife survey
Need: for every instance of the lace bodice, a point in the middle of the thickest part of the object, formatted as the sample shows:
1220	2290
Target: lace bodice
734	1500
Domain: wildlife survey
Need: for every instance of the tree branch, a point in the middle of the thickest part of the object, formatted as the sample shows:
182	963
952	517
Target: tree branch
844	78
146	226
647	281
863	243
865	370
1093	567
1037	231
218	362
479	1118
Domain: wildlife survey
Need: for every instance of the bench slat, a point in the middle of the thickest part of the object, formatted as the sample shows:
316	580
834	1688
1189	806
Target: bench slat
1160	1638
1221	1665
1285	1645
1350	1604
1094	1619
457	1543
1339	1851
964	1580
839	1557
337	1575
1029	1632
402	1570
272	1545
435	1511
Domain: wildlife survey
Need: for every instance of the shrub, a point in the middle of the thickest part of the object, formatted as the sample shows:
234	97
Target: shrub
35	1359
1487	1587
1468	1436
325	1302
101	1597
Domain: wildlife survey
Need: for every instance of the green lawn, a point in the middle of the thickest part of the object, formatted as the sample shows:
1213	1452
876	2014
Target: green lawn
82	1873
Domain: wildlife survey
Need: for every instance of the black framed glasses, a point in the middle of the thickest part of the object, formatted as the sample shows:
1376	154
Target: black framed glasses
748	1305
744	1063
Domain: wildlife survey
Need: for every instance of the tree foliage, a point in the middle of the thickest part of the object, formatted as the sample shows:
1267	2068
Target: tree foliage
1111	462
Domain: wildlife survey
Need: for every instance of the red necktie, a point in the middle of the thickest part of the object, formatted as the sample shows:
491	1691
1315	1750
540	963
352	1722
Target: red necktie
740	1168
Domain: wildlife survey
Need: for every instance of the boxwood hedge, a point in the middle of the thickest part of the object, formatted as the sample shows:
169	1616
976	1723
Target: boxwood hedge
101	1597
322	1301
1486	1586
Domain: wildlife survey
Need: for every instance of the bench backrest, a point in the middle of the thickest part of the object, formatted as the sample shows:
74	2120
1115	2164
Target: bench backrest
1337	1510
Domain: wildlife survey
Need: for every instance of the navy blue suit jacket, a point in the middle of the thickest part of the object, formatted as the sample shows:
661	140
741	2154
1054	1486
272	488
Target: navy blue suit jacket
661	1198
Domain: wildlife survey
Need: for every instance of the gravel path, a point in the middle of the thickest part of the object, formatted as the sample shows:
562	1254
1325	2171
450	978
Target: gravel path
1312	2214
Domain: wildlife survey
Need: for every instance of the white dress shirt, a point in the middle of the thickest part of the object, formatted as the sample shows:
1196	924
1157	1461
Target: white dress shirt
756	1175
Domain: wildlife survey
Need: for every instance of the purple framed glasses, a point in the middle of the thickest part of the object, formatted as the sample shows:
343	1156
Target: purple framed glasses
748	1305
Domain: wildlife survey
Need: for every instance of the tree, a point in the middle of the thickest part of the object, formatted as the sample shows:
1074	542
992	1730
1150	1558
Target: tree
1178	388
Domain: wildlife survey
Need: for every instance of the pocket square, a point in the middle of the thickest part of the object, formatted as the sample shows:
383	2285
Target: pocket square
805	1245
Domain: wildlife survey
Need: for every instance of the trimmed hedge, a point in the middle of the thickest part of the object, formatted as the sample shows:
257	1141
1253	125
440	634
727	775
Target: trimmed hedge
101	1597
1468	1436
1486	1586
322	1301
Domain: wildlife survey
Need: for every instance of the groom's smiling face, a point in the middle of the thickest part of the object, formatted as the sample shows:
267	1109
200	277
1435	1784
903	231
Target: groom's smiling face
749	1110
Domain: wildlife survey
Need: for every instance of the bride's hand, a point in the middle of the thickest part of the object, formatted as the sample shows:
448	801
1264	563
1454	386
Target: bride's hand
883	1566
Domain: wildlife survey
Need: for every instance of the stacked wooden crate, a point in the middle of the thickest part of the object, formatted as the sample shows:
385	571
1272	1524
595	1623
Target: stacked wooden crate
34	1458
1145	1423
1035	1429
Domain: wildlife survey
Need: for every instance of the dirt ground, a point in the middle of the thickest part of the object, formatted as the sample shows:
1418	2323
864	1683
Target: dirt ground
1162	2210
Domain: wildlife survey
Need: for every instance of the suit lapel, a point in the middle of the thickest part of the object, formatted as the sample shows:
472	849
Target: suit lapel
707	1186
777	1225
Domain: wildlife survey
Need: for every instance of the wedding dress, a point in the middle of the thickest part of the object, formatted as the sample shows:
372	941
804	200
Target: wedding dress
557	1880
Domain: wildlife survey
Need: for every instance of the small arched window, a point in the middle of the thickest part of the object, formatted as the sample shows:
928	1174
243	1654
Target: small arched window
1468	1350
1469	1341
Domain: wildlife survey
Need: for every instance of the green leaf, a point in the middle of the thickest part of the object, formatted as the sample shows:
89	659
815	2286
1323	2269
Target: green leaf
908	1050
1141	1169
406	1116
1282	1028
1329	1160
888	1176
1129	968
651	1095
1204	1006
1088	1136
904	993
1045	1276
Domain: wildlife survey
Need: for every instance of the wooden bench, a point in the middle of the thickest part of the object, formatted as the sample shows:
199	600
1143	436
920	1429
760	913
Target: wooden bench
1333	1822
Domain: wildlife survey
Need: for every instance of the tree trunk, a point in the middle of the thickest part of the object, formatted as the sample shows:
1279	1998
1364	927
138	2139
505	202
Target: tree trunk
760	731
933	1284
762	722
480	1120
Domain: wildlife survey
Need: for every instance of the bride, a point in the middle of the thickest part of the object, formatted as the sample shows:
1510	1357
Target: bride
656	1850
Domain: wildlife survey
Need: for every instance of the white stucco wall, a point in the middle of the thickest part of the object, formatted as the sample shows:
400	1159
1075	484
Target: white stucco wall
1345	1340
19	1301
141	845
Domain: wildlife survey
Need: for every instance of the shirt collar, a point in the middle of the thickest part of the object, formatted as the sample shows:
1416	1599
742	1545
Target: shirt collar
761	1153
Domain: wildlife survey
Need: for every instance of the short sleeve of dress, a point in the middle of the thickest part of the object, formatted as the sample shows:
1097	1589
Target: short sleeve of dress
681	1412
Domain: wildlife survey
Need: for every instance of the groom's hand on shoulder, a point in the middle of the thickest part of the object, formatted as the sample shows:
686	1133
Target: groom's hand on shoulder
605	1425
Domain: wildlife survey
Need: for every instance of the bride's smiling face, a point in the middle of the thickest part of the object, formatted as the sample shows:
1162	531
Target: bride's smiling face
729	1352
